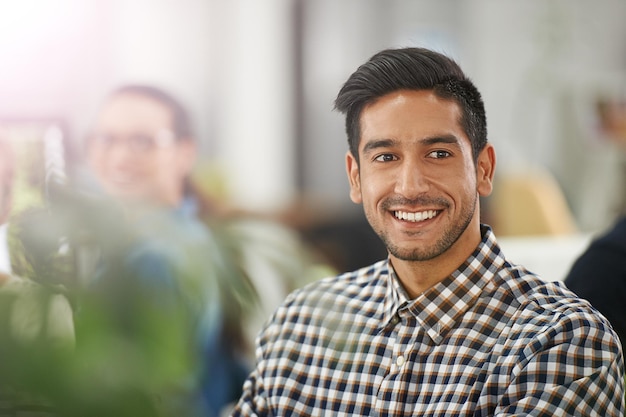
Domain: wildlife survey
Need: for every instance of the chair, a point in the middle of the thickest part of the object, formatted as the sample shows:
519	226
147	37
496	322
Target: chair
530	203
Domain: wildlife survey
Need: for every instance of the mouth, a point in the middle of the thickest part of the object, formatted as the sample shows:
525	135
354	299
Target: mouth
121	178
417	216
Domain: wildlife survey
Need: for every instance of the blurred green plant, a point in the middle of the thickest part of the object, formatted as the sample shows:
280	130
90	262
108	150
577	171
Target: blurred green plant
136	350
113	370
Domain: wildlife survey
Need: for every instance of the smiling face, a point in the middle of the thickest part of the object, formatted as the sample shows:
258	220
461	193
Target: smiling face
135	154
417	179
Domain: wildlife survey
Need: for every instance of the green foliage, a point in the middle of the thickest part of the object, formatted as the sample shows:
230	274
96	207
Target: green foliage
127	359
134	349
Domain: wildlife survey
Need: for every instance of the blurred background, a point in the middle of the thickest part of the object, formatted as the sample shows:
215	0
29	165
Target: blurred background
260	78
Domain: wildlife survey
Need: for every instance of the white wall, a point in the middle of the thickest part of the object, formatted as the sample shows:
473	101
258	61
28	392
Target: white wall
254	106
539	88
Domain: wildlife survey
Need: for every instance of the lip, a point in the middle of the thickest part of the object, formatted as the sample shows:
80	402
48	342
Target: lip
122	183
121	176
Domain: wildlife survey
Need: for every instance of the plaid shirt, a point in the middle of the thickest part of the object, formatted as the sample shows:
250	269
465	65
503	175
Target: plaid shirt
490	340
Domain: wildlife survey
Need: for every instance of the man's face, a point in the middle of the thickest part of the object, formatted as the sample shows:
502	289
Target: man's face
417	180
134	153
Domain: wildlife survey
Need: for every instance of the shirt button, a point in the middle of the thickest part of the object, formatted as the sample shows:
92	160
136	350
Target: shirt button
400	361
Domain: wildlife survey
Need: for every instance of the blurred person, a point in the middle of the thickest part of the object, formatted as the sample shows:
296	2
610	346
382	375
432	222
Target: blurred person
445	325
142	150
599	276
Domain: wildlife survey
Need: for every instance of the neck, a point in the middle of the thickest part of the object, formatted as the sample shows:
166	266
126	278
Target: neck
419	276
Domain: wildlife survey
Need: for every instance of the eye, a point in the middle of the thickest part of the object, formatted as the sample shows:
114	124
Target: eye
439	154
102	139
386	157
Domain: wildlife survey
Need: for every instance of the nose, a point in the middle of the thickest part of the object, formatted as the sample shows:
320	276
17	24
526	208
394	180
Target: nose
411	180
114	160
120	152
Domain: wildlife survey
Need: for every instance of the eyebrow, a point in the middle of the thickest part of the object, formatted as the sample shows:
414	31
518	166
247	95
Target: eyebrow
451	139
385	143
378	143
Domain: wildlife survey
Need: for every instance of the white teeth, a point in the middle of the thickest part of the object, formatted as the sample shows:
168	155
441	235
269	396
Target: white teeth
415	217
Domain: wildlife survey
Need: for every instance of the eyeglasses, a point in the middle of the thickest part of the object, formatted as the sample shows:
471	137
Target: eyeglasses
137	143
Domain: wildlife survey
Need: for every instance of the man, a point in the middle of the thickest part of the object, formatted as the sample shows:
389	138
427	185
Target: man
141	148
161	255
445	326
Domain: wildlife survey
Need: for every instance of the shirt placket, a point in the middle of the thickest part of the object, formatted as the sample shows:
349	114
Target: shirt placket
389	401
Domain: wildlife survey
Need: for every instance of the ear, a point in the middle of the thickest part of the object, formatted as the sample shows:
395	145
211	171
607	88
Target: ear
485	169
352	169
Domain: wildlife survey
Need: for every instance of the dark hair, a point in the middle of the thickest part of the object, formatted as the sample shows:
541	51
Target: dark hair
412	69
181	122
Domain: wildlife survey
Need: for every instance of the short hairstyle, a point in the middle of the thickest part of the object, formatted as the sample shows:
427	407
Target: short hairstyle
412	69
181	121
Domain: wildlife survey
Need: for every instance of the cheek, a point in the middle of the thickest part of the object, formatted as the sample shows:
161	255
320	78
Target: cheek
468	186
158	162
459	185
168	168
469	180
375	187
97	165
93	158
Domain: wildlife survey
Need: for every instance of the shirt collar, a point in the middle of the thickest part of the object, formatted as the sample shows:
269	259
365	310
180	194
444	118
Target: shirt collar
440	307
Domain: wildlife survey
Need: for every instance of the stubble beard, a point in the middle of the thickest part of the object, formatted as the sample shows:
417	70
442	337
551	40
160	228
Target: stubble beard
448	237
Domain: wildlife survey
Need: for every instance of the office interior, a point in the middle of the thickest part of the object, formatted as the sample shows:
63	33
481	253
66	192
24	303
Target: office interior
260	77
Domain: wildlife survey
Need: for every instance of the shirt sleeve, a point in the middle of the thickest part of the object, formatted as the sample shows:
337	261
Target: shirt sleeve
253	401
574	368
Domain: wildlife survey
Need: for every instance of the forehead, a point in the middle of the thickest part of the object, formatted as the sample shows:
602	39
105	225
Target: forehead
410	114
129	111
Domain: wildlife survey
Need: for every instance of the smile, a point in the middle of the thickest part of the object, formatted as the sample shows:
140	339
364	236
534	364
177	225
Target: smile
415	217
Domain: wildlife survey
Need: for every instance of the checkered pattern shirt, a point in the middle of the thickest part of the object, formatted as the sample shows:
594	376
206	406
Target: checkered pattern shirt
492	339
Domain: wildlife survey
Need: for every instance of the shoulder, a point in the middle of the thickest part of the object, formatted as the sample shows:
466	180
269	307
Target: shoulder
168	251
612	242
618	233
549	299
171	237
599	272
358	293
355	286
549	314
